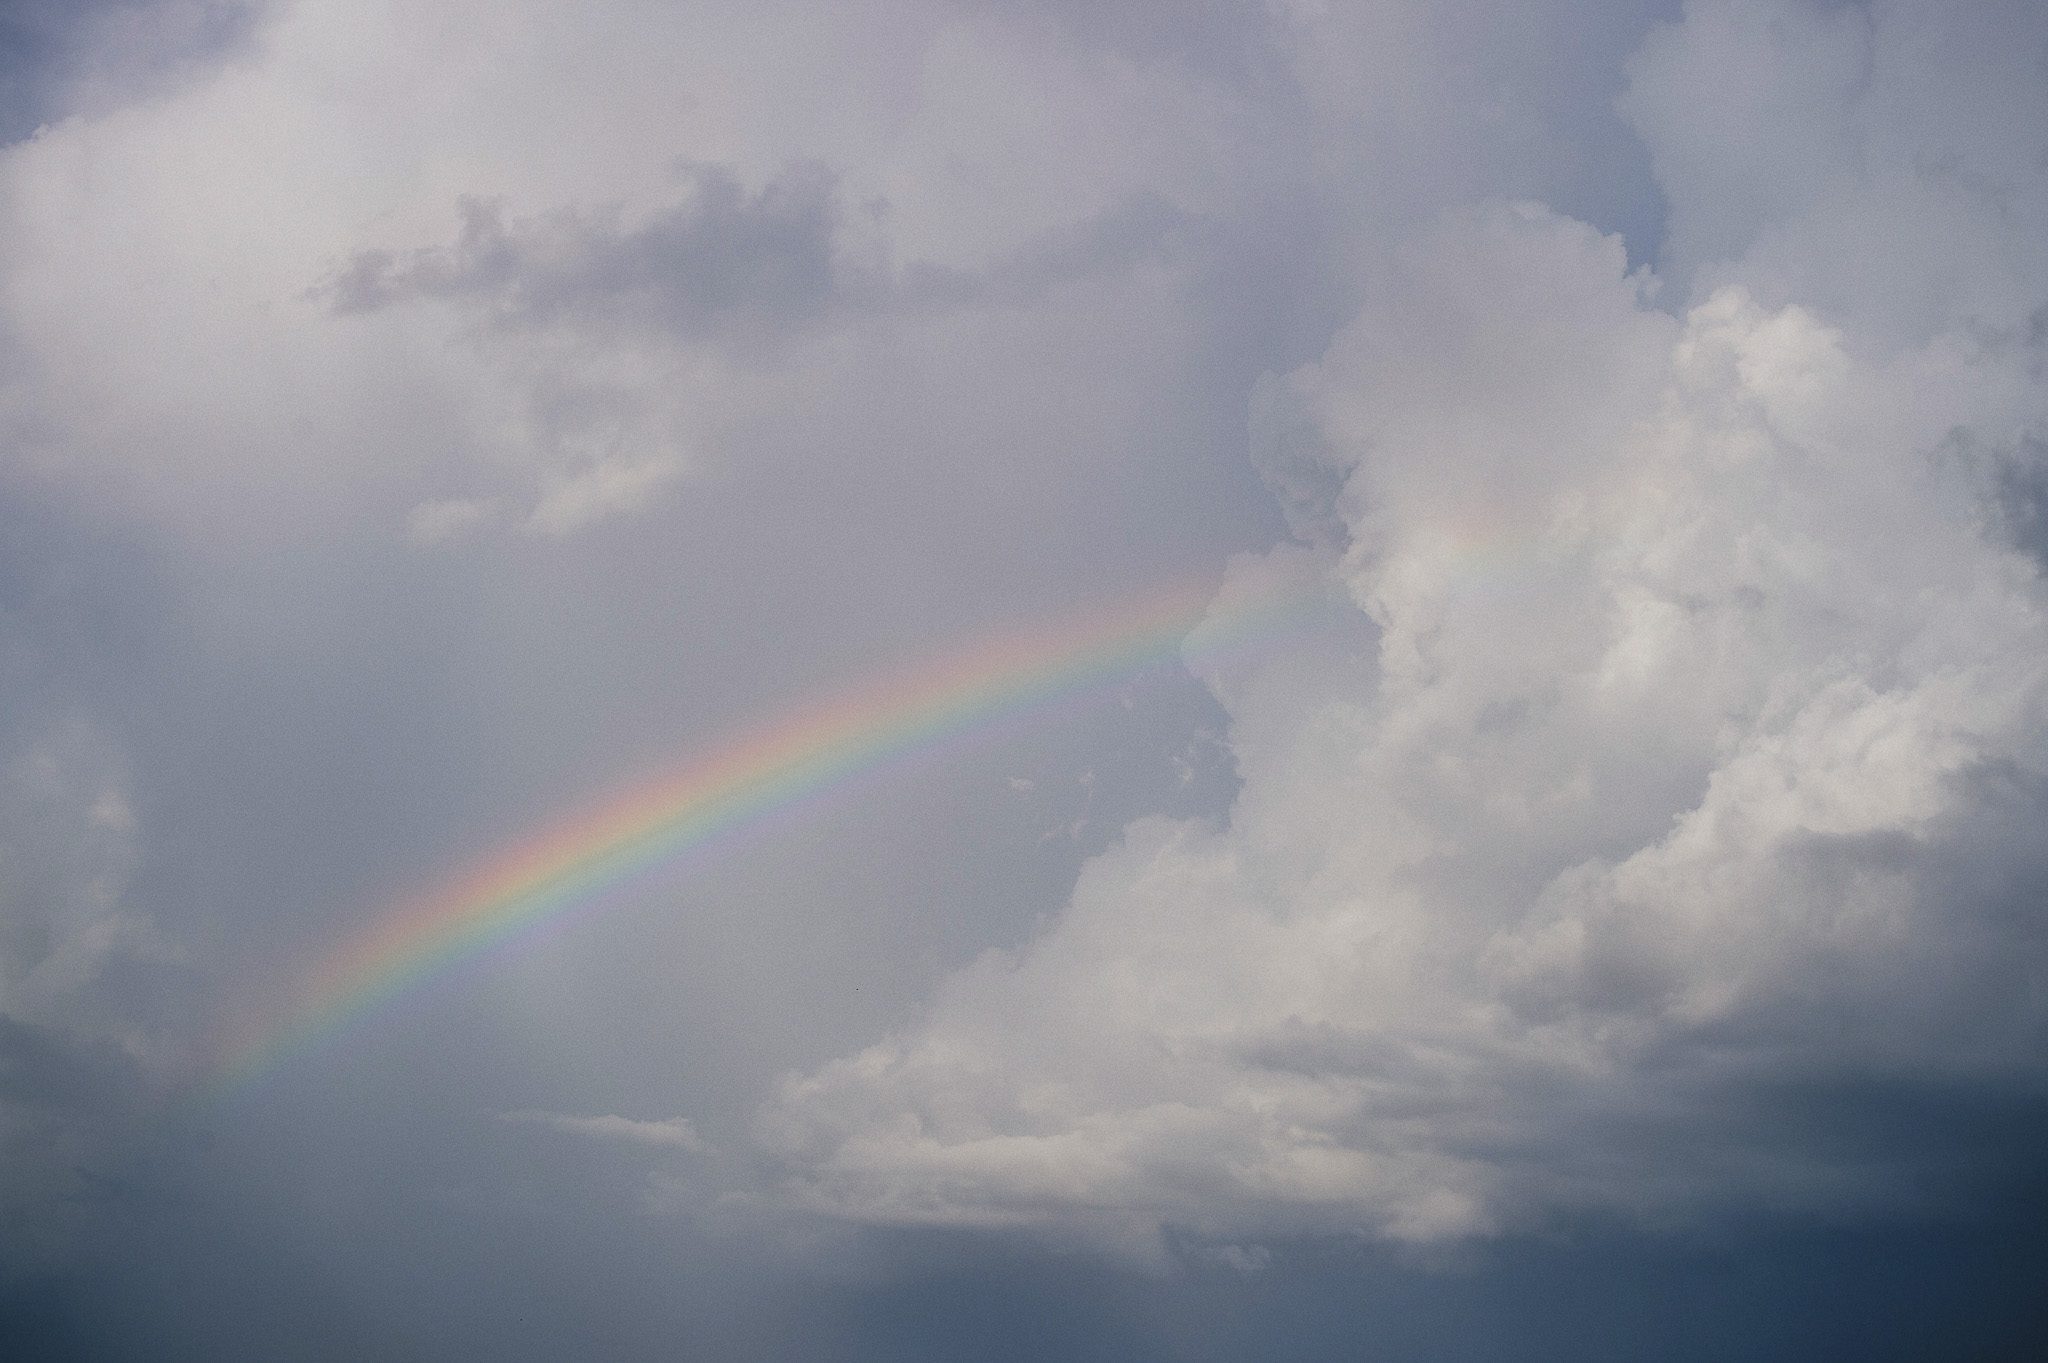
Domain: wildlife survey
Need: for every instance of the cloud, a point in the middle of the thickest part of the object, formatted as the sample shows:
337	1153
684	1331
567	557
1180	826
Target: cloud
721	257
1239	1258
68	849
424	452
1690	768
606	489
675	1133
437	522
599	326
726	262
72	1110
1880	162
61	57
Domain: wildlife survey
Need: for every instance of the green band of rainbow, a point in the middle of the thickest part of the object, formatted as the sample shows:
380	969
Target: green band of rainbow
578	862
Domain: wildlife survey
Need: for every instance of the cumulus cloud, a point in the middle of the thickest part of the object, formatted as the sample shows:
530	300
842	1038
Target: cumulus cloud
1696	762
464	404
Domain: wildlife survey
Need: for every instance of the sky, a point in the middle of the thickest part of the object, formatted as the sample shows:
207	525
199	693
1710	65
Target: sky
1023	680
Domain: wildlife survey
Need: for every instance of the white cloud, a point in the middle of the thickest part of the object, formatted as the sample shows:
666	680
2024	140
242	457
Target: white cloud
675	1133
609	488
1708	710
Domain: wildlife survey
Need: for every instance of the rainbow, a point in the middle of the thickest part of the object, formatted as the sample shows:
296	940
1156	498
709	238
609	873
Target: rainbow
619	845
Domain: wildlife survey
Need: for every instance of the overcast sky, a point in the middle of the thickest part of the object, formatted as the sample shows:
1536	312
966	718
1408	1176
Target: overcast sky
1615	926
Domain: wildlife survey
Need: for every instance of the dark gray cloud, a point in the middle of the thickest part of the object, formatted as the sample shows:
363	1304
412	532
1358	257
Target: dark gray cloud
60	57
2021	497
72	1110
727	262
723	257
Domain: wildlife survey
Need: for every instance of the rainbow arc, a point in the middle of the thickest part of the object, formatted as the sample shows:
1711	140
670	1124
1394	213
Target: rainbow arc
627	842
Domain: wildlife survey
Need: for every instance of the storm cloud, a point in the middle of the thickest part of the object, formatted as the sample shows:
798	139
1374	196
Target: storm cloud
420	420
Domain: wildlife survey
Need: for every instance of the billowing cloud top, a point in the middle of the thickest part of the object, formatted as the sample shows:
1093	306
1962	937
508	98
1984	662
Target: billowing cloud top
1700	760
